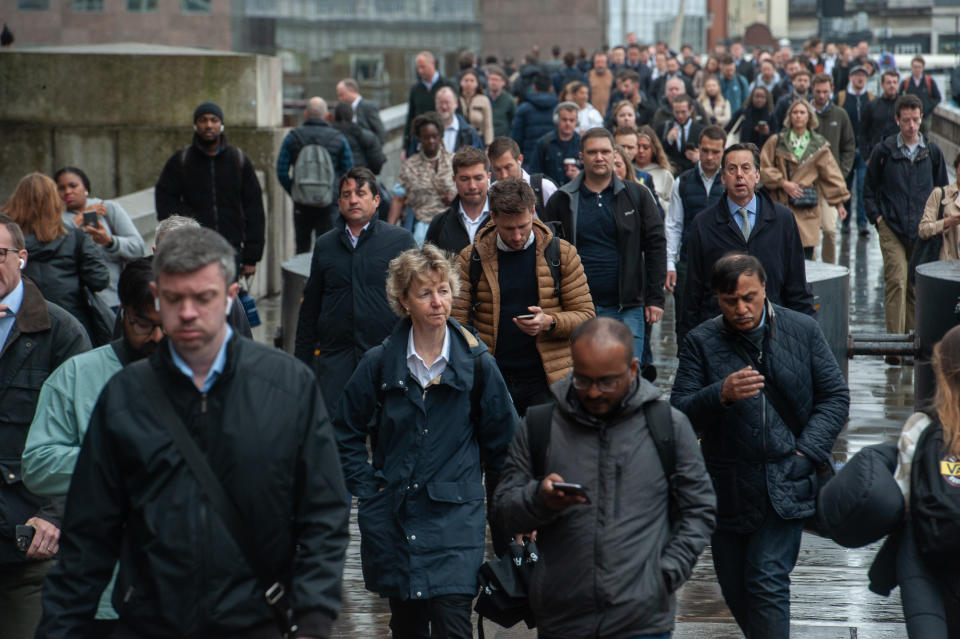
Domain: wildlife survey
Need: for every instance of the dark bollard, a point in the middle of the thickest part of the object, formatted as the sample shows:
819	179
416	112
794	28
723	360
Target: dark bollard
937	311
831	296
296	270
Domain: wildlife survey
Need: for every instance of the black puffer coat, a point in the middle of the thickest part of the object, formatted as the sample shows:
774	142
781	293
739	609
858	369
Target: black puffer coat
749	450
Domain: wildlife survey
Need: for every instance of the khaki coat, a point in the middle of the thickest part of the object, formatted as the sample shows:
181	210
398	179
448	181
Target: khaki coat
553	346
817	168
479	113
930	225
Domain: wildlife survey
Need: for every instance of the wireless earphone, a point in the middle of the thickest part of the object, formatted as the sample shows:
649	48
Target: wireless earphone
156	303
221	128
23	263
230	304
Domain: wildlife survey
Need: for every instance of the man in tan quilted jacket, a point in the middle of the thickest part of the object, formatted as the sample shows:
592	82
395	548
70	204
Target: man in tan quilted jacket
524	309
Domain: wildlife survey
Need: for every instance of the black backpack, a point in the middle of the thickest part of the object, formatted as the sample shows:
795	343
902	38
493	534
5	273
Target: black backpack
551	253
935	498
536	183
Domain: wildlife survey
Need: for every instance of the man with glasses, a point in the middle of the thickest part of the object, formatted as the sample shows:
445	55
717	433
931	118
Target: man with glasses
70	393
614	552
747	221
35	338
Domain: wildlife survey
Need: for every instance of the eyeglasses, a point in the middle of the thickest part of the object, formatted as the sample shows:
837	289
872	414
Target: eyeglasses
4	251
604	384
141	327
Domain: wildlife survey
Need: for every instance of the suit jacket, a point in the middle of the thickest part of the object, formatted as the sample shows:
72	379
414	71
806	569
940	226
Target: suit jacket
676	156
368	116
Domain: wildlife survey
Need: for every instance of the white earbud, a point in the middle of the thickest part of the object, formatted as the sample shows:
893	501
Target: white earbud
156	303
230	304
221	128
23	263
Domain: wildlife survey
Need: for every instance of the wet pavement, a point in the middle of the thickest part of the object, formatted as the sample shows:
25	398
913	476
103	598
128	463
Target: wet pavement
829	592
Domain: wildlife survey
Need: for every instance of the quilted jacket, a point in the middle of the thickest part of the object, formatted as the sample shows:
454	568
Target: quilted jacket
749	449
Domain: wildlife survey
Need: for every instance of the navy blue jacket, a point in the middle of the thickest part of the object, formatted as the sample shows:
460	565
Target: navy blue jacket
421	510
533	120
774	240
550	155
749	449
695	199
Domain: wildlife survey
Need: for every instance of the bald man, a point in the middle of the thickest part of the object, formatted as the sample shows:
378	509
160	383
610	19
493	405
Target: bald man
424	91
313	216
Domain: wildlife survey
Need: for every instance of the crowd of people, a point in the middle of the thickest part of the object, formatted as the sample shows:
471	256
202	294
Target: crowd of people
474	351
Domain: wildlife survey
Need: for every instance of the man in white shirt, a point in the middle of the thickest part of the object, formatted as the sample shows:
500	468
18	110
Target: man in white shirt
456	227
506	161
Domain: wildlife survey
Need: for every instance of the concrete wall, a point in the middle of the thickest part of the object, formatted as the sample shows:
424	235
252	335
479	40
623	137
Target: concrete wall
120	111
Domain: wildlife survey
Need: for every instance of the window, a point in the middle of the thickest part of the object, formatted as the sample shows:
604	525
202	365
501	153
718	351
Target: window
141	6
33	5
86	6
195	6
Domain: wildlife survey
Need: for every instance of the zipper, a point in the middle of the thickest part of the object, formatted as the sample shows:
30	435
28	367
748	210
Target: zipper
203	603
203	403
616	494
213	193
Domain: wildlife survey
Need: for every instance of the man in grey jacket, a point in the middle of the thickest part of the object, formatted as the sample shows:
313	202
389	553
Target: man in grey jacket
611	561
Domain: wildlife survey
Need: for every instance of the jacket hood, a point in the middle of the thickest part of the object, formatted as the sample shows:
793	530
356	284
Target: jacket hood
542	100
567	401
43	251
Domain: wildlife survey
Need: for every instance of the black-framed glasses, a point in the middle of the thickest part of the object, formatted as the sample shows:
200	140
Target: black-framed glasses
141	326
604	384
4	251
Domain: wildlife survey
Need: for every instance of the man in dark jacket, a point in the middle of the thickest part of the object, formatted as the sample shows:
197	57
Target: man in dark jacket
534	118
133	497
903	171
559	145
855	100
924	87
608	568
502	104
680	136
364	145
768	232
568	73
617	230
764	392
215	183
344	310
879	119
35	338
315	130
456	227
423	92
365	113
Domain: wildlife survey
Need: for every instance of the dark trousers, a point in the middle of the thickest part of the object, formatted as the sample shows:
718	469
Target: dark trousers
442	617
20	586
808	252
527	388
754	574
681	267
311	218
855	179
931	610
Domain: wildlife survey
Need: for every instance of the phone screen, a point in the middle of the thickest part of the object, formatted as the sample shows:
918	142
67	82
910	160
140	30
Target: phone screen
526	317
572	489
90	218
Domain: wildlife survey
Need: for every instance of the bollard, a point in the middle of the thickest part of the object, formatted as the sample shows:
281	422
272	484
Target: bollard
831	294
937	311
296	270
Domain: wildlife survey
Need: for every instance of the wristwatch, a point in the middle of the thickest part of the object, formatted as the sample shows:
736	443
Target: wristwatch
553	324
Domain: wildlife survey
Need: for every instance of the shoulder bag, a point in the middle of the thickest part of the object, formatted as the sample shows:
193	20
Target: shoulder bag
808	200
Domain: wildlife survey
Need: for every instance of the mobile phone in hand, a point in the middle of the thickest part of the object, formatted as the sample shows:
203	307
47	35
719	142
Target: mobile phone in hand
90	218
24	535
527	316
572	489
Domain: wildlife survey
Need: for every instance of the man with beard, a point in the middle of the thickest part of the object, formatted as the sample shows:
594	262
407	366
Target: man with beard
70	393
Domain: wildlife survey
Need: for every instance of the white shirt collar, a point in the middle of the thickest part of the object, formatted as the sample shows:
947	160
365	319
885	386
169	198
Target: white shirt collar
354	106
473	226
503	245
355	238
419	369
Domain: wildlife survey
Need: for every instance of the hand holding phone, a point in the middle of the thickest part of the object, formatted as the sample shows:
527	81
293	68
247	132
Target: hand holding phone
90	218
557	498
527	316
572	489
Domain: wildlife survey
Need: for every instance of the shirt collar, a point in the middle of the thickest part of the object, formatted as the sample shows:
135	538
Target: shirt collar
355	103
703	176
751	206
485	212
444	350
14	299
454	124
216	369
503	246
825	108
433	80
903	145
355	238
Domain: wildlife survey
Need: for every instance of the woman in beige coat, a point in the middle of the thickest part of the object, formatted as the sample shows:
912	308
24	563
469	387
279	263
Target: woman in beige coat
950	224
475	106
800	157
715	106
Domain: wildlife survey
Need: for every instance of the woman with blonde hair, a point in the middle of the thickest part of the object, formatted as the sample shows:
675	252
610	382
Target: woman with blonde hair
799	170
475	106
930	581
438	414
652	159
715	106
65	264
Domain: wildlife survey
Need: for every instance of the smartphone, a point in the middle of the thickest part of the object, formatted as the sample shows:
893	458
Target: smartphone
528	316
572	489
90	218
24	535
762	123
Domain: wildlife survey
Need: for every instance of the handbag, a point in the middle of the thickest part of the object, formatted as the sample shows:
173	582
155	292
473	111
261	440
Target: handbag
808	200
274	590
249	305
100	319
504	583
928	250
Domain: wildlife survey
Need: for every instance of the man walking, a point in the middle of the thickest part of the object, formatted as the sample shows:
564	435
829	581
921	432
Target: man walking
903	171
836	127
344	310
502	104
924	87
470	210
507	161
764	393
556	148
328	156
365	112
191	564
743	220
534	118
680	135
618	233
36	336
215	183
610	561
504	275
423	93
880	119
855	100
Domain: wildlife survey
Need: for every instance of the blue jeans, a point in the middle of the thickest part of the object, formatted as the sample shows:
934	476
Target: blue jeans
633	318
857	174
754	574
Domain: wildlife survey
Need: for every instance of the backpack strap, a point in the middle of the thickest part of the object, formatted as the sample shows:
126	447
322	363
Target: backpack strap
539	419
552	255
475	271
660	422
536	183
926	78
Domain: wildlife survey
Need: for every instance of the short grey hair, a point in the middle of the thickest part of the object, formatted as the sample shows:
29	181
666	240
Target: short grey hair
173	223
186	250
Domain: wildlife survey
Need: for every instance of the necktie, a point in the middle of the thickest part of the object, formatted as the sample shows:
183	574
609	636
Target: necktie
745	224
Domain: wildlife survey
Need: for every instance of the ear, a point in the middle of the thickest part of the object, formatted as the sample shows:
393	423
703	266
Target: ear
156	294
233	289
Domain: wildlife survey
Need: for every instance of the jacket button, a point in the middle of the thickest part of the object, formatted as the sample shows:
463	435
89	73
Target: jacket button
416	485
12	476
413	537
419	594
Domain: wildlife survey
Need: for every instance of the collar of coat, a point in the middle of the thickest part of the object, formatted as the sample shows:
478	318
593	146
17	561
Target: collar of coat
464	348
765	209
817	145
731	333
486	240
34	315
572	188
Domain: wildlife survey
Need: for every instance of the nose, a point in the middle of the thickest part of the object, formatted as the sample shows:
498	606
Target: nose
187	310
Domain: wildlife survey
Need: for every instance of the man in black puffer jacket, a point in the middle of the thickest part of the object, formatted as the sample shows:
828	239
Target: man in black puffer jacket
761	435
257	417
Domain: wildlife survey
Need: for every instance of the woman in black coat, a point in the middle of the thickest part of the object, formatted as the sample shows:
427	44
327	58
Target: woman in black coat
65	264
754	122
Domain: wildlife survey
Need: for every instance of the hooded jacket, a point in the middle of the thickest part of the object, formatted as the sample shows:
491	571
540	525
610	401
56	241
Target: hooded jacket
533	120
608	568
420	512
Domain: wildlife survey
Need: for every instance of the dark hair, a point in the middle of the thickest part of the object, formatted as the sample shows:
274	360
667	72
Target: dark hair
555	49
682	97
605	329
466	60
628	129
804	71
628	74
907	101
891	72
133	287
362	176
511	196
78	172
16	234
469	156
742	146
596	132
956	160
820	78
496	70
726	59
569	58
769	104
501	145
919	58
476	76
728	269
422	120
343	112
713	132
541	83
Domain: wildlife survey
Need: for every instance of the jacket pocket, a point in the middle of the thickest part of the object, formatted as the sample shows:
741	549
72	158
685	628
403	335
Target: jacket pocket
379	540
724	479
456	517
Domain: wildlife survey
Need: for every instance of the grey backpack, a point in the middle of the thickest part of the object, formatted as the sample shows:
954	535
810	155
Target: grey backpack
313	176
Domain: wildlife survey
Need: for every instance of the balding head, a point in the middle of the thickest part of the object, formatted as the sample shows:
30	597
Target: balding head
604	367
426	65
674	87
604	332
316	109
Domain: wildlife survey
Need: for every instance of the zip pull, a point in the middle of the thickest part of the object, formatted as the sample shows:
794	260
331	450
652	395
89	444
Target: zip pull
203	403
